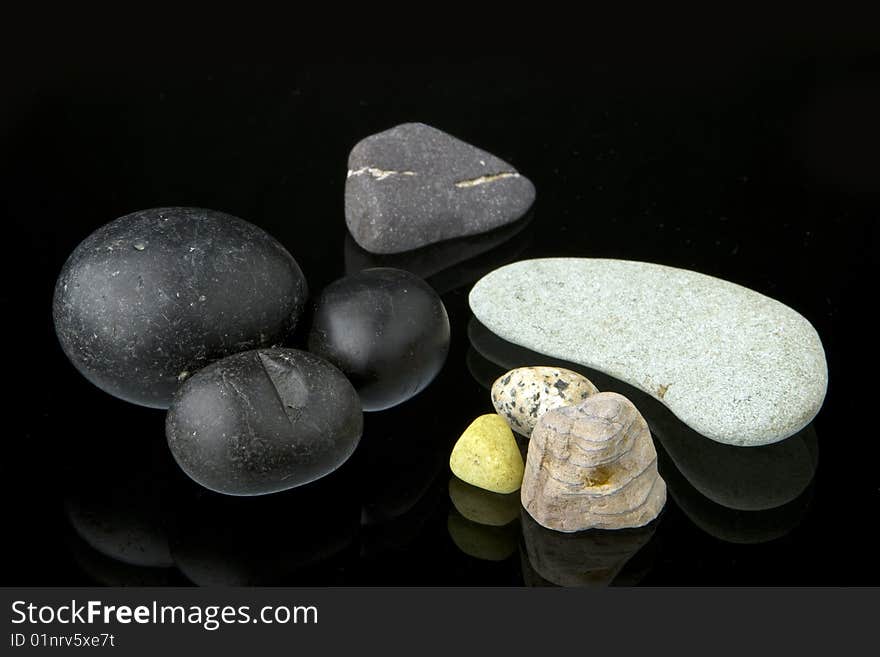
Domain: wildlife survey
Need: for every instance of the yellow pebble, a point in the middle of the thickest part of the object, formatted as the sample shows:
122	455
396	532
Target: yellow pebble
487	456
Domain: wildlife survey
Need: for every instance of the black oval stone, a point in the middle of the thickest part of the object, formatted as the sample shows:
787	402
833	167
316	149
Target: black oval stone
263	421
153	296
386	329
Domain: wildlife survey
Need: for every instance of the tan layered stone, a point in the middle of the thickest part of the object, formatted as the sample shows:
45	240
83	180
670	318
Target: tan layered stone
593	466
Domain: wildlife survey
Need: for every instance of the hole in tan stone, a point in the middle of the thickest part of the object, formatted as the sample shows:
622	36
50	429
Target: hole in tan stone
598	476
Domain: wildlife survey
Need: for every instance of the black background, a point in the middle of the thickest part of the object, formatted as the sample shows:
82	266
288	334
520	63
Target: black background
755	161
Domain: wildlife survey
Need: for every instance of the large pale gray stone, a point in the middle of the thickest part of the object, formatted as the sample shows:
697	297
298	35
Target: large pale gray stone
734	365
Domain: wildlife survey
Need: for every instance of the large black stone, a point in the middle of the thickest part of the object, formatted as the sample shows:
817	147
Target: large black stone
386	329
414	185
263	421
153	296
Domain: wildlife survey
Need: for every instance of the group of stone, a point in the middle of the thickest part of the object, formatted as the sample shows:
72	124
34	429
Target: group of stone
187	309
736	366
590	462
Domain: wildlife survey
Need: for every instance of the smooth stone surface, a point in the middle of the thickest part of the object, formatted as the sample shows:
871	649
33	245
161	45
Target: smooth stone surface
386	329
487	456
483	506
414	185
583	559
593	466
524	394
153	296
263	421
734	365
759	478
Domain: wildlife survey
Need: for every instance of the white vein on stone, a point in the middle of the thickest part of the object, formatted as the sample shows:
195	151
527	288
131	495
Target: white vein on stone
377	173
486	179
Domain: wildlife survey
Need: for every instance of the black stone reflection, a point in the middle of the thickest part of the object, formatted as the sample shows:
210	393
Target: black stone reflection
117	502
271	540
398	534
449	265
739	494
120	517
397	469
594	557
110	572
399	485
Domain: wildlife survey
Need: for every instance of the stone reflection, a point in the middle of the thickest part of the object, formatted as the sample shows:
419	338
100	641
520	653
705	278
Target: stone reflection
399	484
730	524
110	572
487	542
452	264
594	557
738	494
743	478
483	524
482	506
116	506
399	533
121	519
266	540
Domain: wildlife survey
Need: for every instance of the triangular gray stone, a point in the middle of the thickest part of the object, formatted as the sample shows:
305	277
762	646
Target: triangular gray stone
414	185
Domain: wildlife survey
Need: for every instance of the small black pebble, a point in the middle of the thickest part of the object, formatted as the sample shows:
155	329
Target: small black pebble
386	329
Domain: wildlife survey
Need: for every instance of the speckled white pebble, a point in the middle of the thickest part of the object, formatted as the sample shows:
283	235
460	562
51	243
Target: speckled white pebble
524	394
734	365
